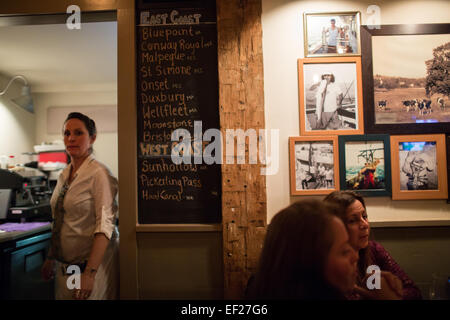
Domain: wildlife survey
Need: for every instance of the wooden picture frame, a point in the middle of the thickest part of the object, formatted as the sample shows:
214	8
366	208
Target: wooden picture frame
365	164
395	99
313	165
447	139
318	37
334	76
419	167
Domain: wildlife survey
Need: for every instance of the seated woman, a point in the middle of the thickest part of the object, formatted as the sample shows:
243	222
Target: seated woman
306	255
370	252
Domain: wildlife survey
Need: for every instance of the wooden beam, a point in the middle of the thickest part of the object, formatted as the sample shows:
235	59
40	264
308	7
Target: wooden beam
28	7
126	107
241	99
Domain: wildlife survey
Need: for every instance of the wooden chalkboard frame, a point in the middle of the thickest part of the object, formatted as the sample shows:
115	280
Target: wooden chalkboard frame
202	205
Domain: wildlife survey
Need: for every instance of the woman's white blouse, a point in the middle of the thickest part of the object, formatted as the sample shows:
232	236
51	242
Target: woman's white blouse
90	208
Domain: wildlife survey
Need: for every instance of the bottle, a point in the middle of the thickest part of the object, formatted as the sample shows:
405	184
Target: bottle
11	163
3	162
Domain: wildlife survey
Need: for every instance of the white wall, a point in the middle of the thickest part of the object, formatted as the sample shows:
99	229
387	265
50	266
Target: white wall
16	124
105	147
282	45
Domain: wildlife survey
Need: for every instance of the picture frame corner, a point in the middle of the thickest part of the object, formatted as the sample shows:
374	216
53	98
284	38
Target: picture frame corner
367	36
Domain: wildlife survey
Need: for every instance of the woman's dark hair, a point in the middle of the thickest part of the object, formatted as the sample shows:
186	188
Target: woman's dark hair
295	252
345	199
88	122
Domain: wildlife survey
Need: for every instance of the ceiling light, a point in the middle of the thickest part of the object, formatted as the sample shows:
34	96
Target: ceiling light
24	100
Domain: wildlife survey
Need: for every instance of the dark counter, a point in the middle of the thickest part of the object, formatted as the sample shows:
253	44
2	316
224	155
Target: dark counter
22	254
15	235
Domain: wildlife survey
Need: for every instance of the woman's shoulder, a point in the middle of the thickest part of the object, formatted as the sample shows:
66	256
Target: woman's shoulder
377	250
99	169
96	165
376	246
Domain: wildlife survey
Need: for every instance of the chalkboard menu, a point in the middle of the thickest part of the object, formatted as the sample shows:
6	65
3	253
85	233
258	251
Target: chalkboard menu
177	87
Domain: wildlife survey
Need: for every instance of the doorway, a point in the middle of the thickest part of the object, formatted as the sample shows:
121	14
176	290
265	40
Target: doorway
68	70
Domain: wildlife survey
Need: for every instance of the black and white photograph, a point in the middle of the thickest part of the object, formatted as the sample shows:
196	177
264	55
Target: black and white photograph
314	165
418	169
331	34
410	77
330	96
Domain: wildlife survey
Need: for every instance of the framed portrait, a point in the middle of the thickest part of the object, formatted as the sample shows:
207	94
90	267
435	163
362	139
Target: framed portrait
365	164
330	96
313	165
405	74
419	167
447	137
331	34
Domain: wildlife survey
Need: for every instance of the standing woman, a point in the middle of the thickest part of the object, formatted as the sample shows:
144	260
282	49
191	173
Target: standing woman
84	213
370	252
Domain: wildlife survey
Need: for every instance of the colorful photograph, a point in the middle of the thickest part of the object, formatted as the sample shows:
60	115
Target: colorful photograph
364	165
418	169
327	34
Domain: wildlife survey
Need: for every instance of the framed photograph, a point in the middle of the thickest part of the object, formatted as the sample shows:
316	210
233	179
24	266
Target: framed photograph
313	165
331	34
419	167
365	164
447	137
330	96
405	74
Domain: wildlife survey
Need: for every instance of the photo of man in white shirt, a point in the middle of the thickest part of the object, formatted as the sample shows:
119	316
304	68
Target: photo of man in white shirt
329	98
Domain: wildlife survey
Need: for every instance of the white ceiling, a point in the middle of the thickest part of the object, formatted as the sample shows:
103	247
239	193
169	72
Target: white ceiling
56	59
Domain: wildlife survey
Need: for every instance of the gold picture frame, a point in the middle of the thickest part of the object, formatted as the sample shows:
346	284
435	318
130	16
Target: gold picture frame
313	165
418	167
322	38
346	79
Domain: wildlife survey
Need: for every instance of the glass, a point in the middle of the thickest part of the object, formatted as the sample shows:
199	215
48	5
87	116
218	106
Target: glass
439	289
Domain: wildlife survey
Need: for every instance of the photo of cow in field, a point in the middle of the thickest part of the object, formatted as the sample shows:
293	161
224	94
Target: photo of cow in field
382	104
410	105
411	86
441	103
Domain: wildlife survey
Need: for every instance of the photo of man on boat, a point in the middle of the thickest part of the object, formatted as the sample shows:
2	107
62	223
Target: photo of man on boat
314	165
364	165
330	96
331	34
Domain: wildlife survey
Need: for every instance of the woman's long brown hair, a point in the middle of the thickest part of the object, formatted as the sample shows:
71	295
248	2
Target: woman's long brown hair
295	252
345	199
